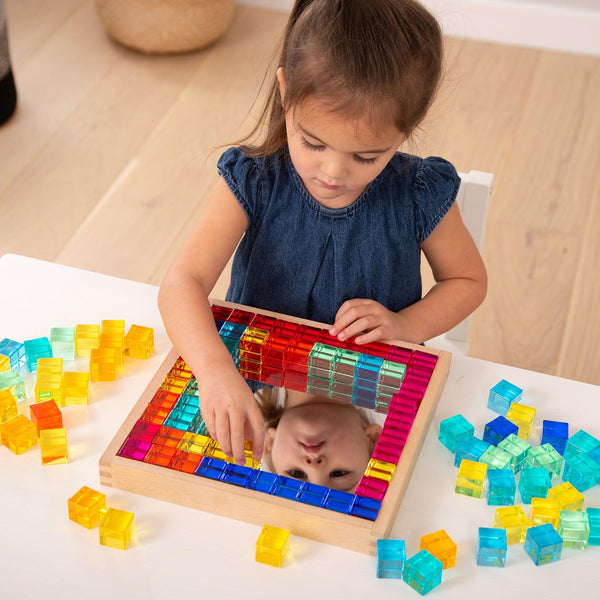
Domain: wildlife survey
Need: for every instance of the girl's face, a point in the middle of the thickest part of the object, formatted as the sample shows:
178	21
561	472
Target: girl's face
322	442
336	158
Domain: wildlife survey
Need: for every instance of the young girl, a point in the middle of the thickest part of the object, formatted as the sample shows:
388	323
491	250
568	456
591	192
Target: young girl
329	220
316	439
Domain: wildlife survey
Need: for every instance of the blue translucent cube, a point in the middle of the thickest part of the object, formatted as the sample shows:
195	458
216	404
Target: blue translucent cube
581	443
491	547
543	544
502	395
470	448
15	352
582	471
391	556
36	349
594	521
498	429
517	448
500	487
574	528
545	456
555	433
534	483
423	572
454	430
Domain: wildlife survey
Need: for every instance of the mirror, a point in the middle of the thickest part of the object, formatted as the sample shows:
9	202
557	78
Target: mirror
374	401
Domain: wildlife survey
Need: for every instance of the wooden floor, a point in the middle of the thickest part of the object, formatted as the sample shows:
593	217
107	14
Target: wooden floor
110	156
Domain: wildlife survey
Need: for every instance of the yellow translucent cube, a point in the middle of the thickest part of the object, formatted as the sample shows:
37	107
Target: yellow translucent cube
19	434
76	387
470	478
8	406
103	364
380	469
4	363
193	442
139	341
523	417
440	545
272	545
567	496
50	386
545	510
50	365
112	335
116	528
87	507
87	337
515	521
53	446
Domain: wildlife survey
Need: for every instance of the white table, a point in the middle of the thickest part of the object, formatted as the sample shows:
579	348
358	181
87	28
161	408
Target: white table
179	550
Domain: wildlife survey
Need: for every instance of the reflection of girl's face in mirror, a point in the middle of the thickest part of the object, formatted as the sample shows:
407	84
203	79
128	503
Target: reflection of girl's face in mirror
321	441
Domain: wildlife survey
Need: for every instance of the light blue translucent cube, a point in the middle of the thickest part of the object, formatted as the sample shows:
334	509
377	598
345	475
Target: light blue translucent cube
594	522
454	430
581	442
574	528
423	572
36	349
15	352
534	482
491	547
543	544
500	487
471	448
582	471
502	395
391	556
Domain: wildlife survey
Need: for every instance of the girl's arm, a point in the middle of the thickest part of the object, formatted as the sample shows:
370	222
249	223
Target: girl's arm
461	284
228	406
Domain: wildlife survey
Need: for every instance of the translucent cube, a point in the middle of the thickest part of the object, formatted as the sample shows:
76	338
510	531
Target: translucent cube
545	510
19	434
53	446
62	341
116	528
76	387
12	381
470	448
555	433
440	545
580	442
391	556
515	521
272	545
574	528
517	448
502	395
423	572
497	458
470	478
543	544
35	349
500	487
547	457
8	406
139	341
498	429
454	430
87	337
87	507
534	482
567	496
523	417
582	471
491	547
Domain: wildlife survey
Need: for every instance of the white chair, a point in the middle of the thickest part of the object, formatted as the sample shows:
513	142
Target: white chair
473	201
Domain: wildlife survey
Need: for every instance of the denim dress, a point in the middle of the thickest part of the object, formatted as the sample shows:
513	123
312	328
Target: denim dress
300	258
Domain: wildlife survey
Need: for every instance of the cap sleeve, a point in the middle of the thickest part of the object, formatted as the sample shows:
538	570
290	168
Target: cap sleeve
435	188
240	174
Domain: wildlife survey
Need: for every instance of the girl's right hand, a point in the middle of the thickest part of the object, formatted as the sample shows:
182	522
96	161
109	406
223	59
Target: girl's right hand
230	412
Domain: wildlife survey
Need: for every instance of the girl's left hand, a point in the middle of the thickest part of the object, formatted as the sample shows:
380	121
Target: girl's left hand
367	319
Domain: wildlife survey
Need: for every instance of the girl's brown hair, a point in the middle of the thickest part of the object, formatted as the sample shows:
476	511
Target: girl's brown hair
379	59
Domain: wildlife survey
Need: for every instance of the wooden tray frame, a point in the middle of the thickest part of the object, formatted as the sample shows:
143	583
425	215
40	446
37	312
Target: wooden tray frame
235	502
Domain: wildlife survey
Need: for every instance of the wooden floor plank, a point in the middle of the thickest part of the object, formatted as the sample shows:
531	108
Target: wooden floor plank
51	84
175	170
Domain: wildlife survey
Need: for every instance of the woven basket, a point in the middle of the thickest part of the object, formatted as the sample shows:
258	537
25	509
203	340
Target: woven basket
165	26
